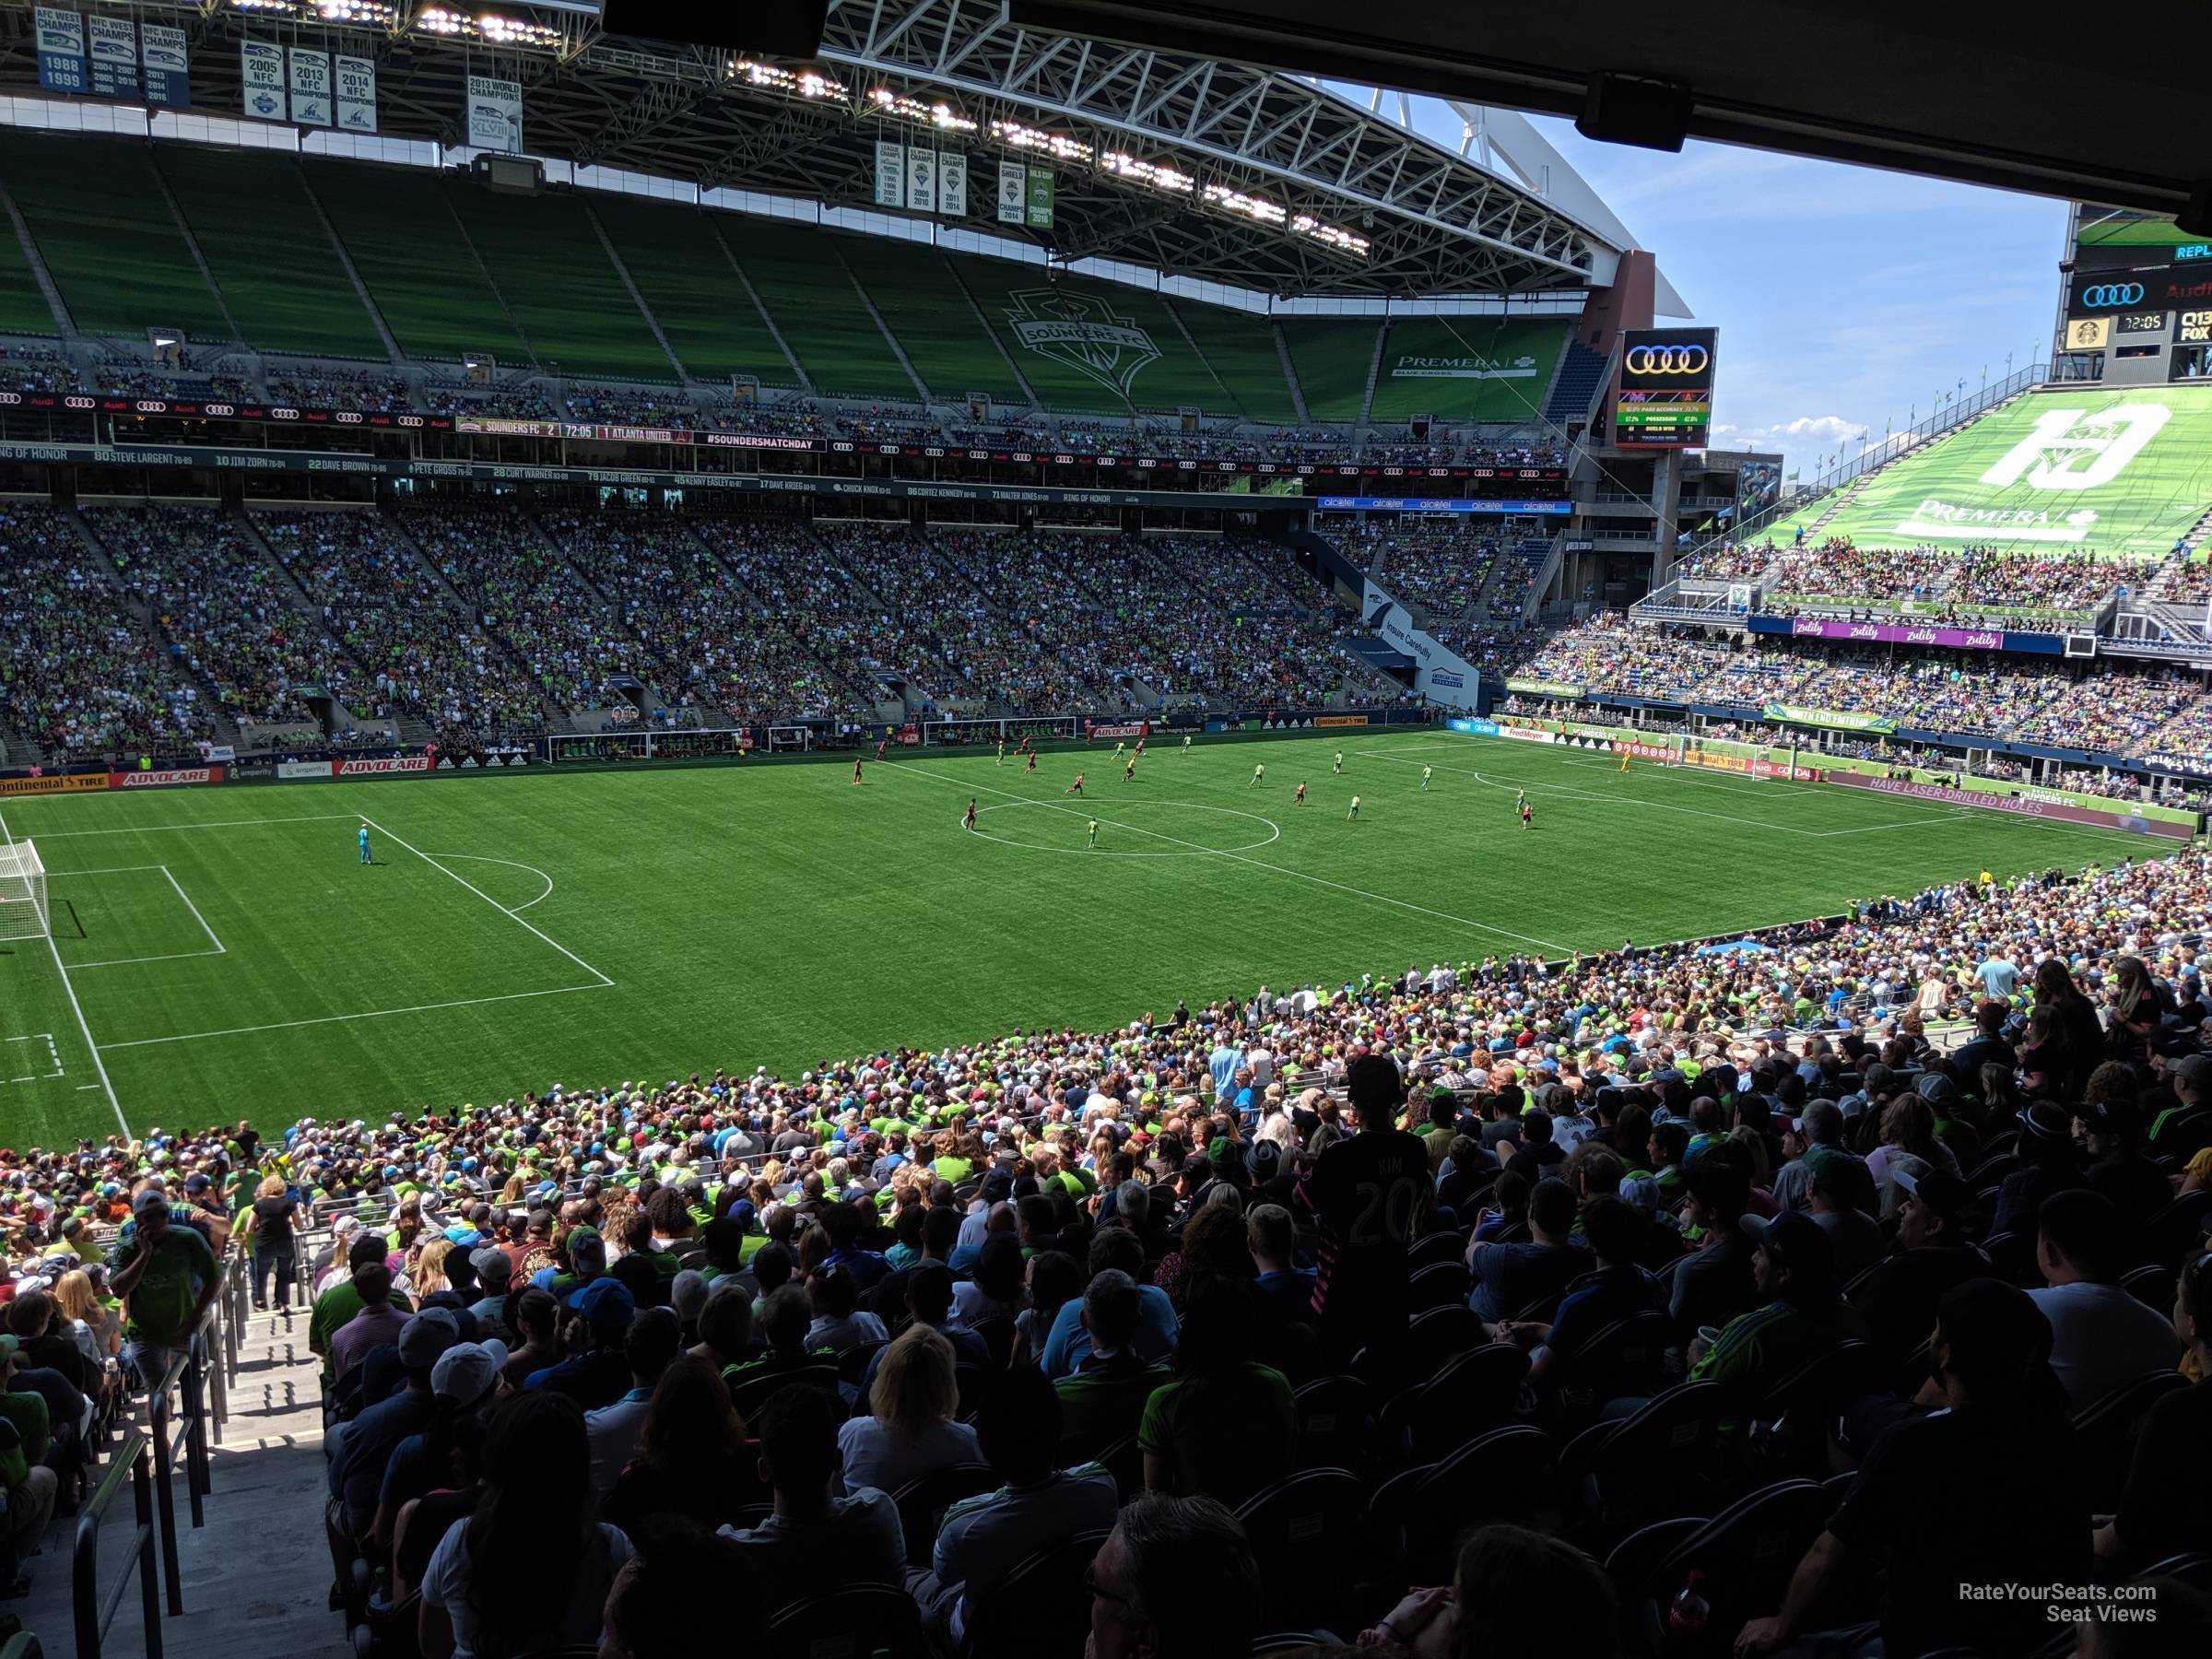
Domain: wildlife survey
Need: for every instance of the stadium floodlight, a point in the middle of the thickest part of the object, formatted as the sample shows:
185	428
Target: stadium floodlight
23	913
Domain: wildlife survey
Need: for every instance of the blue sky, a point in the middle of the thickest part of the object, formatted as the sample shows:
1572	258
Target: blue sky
1845	297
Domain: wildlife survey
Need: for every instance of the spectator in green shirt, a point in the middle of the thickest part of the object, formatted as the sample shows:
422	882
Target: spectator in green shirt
1224	1422
341	1301
25	1436
1805	1314
167	1279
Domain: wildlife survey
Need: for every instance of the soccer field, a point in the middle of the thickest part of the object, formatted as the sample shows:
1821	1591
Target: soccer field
222	953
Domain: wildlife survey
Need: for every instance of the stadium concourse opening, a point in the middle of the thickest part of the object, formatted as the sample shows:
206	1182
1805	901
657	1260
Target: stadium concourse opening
1006	846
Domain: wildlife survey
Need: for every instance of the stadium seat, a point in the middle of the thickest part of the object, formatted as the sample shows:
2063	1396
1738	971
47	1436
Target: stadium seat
1469	1393
2151	1284
2195	1570
1331	1413
1311	1516
1041	1608
1437	1247
852	1362
1631	1563
1745	1555
1415	1519
923	1500
1627	1358
1430	1339
1627	1473
1440	1285
2105	1431
877	1620
2176	1229
1125	1460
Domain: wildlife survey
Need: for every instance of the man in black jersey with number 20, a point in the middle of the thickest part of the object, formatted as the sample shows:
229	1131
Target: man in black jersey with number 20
1371	1195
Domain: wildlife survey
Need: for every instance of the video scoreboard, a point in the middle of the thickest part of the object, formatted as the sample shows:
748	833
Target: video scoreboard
1665	399
2138	292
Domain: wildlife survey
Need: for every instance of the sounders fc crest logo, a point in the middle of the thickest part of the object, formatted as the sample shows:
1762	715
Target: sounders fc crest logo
1082	332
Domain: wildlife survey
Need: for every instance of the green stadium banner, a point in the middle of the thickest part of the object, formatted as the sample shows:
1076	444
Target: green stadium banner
1834	719
1039	207
1536	687
2110	471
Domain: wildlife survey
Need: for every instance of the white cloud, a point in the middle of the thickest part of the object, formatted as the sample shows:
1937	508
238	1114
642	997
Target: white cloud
1808	437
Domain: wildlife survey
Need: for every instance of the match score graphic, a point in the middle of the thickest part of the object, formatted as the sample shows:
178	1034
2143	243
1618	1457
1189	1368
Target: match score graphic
1666	395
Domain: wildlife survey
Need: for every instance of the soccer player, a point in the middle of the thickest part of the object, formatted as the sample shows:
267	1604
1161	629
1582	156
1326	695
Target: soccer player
1129	769
1094	832
1624	758
1300	798
1140	748
1002	753
1339	767
1355	811
1032	765
1524	815
1520	799
968	818
1186	743
884	745
1424	780
1258	773
856	769
1074	788
1118	747
365	858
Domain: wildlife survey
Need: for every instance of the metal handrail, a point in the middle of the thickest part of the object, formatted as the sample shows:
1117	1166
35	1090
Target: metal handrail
23	1644
93	1610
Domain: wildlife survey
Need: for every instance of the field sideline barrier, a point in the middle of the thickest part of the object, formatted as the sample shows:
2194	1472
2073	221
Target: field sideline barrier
2055	811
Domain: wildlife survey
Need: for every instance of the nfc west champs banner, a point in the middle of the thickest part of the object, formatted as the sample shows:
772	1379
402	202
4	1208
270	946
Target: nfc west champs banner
60	37
113	57
261	67
1443	674
168	65
310	86
356	105
495	114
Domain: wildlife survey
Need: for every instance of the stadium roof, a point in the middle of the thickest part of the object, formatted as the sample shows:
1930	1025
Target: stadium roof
1928	89
1211	170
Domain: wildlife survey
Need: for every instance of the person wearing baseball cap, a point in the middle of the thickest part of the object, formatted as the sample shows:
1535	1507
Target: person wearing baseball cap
494	1268
167	1276
1986	1490
1793	1267
2109	1123
1933	1251
359	1450
594	1373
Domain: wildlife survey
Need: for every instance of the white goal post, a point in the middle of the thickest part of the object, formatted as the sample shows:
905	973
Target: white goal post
23	913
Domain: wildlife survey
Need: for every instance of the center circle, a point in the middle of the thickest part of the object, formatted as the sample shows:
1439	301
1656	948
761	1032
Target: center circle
1128	821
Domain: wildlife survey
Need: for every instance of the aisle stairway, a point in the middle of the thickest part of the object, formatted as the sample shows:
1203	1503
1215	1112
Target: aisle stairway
256	1577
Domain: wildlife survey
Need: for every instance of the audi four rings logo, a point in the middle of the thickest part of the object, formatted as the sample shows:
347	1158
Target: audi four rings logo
1671	359
2112	293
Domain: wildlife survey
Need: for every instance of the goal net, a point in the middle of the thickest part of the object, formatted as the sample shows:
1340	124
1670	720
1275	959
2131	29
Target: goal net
22	893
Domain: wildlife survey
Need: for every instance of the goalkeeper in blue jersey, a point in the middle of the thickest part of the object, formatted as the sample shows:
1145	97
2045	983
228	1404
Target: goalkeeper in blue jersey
364	838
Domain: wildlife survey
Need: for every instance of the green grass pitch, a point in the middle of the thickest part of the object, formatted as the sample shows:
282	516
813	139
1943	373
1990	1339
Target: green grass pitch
229	956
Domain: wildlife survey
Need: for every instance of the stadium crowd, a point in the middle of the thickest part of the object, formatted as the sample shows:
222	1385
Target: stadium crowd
1395	1309
364	390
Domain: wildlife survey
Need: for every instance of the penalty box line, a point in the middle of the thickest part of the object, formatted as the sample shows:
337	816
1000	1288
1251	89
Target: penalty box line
99	1066
1257	864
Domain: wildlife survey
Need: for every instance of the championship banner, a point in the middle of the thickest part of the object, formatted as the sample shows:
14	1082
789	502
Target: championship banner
921	179
952	185
1537	687
1833	719
891	173
1038	200
65	784
495	114
1013	192
112	57
355	106
310	86
61	49
168	65
261	70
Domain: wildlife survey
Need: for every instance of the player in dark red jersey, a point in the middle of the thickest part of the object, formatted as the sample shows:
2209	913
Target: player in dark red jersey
1371	1195
968	818
1300	798
856	769
881	746
1074	788
1032	765
1526	814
